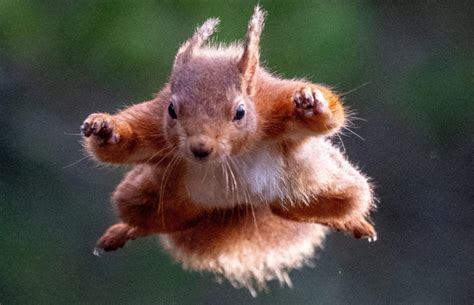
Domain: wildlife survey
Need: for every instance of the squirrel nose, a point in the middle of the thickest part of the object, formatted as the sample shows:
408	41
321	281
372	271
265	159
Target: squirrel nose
200	150
200	153
201	146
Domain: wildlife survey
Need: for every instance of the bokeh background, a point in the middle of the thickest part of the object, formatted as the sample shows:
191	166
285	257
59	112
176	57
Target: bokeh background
61	60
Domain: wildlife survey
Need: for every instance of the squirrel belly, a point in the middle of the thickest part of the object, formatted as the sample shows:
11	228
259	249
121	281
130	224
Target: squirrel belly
246	245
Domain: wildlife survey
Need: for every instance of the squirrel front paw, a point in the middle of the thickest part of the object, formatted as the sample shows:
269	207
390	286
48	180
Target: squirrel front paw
102	127
310	101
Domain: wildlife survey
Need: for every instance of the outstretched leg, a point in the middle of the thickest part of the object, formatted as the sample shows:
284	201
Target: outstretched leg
130	136
141	211
345	211
296	109
327	189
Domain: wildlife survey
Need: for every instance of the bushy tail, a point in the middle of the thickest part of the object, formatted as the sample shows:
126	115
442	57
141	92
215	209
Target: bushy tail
248	248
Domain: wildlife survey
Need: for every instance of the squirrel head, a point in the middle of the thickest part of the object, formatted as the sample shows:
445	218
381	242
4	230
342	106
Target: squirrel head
211	114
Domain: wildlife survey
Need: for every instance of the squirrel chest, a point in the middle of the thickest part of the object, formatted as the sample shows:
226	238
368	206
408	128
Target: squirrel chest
253	178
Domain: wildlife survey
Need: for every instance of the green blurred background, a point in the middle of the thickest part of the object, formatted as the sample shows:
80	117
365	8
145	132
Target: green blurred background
61	60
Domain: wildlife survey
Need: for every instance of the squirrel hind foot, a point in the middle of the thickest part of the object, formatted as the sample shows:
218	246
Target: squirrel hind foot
114	238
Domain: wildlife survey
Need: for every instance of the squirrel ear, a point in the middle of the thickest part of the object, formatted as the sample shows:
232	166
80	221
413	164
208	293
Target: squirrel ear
202	33
249	61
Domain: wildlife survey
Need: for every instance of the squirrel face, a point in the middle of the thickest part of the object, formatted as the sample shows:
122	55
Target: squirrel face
210	117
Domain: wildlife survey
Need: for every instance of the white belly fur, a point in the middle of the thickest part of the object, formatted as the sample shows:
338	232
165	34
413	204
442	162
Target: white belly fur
254	178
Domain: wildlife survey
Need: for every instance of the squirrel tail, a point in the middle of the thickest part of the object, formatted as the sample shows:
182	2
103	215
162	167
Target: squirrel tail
248	246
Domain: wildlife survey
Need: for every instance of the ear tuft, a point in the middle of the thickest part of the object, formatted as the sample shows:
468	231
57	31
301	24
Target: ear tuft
256	22
250	59
208	28
200	36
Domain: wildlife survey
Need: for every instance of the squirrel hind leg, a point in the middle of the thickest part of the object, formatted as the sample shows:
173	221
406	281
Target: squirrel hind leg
346	211
141	204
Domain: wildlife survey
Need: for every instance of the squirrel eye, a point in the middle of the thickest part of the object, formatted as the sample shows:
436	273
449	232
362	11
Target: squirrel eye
172	112
240	112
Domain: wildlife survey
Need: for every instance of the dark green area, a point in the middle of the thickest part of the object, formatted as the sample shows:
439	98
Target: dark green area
61	60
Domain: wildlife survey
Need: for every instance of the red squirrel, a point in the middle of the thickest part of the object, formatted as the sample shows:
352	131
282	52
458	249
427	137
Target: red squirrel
232	165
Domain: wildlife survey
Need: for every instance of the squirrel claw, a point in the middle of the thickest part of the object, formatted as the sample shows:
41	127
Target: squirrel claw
98	251
85	129
372	238
364	230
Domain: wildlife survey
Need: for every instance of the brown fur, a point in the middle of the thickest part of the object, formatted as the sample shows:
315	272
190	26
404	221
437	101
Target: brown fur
252	207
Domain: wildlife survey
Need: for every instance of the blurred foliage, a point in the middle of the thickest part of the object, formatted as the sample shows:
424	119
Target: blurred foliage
60	60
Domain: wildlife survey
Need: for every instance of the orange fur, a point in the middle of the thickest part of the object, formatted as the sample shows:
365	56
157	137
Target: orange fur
232	165
236	241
